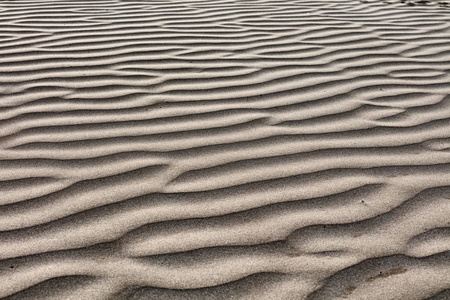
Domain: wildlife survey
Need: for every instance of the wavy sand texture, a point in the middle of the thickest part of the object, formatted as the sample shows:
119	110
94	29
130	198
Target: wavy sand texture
224	149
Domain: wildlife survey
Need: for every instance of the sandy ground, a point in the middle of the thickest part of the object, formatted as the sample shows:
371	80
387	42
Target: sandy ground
224	149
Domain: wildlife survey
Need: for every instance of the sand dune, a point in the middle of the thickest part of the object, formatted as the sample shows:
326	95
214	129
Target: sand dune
224	149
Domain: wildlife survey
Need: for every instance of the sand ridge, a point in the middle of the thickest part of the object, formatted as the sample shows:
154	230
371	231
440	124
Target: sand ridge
224	149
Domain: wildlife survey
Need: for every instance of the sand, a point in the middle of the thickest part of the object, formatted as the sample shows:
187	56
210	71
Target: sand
224	149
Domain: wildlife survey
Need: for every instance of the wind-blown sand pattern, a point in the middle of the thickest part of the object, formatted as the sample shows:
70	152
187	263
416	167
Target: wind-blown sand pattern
224	149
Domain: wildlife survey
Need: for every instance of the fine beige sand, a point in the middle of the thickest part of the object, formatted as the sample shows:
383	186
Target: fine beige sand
224	149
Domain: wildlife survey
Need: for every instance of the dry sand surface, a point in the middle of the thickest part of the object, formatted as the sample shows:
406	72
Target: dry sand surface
224	149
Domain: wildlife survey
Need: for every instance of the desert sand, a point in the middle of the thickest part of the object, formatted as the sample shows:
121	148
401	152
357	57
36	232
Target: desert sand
224	149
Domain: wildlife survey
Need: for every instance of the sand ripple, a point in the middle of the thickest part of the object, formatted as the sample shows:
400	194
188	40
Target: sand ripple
224	149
